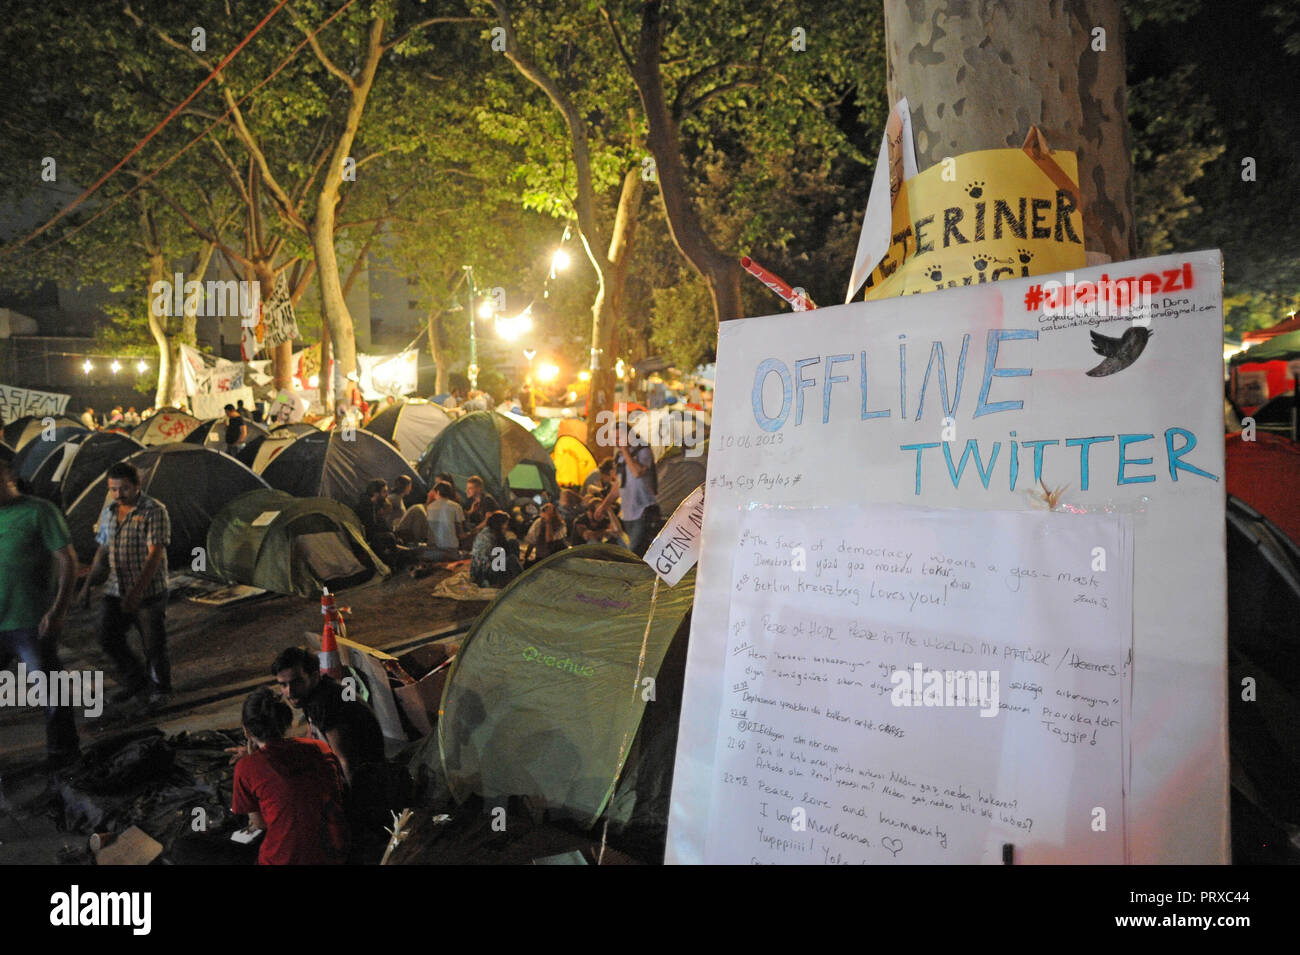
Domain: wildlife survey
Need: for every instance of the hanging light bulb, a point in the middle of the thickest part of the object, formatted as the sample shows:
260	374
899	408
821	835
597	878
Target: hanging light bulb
560	261
87	367
141	367
116	366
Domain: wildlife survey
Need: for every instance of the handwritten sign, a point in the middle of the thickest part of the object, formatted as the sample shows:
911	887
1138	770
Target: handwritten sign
989	398
17	402
876	657
676	548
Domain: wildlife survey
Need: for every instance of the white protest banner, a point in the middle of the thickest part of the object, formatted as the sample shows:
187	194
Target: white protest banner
1044	397
17	402
214	405
384	375
676	548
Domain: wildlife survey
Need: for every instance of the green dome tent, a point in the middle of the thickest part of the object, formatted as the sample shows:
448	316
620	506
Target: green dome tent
502	452
290	545
336	464
545	699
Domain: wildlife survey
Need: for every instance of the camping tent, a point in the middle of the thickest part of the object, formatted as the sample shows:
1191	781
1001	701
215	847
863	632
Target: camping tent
164	427
193	482
32	454
489	444
1263	653
410	426
290	545
573	462
21	430
212	433
539	701
679	474
262	450
1265	474
337	464
75	464
548	430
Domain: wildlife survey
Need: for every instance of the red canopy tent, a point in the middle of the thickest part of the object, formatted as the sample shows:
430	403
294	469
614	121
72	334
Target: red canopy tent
1276	379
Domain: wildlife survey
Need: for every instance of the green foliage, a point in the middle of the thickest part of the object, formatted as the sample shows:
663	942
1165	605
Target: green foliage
1175	137
684	331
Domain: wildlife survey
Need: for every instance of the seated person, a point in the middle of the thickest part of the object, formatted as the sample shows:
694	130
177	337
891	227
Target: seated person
478	505
397	500
373	510
593	528
494	561
547	535
444	522
292	788
439	478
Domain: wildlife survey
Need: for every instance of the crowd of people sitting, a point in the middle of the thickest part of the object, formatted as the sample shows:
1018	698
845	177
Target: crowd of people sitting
619	508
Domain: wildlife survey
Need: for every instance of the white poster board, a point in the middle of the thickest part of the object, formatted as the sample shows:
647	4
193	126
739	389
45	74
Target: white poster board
976	400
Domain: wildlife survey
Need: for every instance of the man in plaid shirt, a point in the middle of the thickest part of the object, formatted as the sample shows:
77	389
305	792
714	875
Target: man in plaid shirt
134	531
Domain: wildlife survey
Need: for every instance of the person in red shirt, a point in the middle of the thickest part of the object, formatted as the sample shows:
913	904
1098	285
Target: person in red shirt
292	788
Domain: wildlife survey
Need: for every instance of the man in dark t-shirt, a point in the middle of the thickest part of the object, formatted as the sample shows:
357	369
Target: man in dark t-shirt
345	724
236	431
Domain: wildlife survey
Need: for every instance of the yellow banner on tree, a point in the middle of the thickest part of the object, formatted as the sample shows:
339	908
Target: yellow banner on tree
981	217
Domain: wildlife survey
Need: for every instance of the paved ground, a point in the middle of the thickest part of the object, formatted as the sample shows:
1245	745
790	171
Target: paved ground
217	655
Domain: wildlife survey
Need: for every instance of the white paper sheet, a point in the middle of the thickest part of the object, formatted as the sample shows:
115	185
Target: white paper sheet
877	657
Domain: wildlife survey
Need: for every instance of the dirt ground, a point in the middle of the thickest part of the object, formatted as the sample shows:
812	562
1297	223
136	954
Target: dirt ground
217	654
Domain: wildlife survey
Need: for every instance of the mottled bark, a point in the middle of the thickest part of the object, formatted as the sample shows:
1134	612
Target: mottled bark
607	312
978	73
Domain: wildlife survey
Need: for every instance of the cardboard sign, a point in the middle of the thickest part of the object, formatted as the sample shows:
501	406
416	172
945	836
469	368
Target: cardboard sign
676	548
982	217
947	410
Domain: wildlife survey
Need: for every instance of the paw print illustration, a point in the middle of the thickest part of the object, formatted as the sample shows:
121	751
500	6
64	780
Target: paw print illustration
1025	256
975	188
980	262
936	274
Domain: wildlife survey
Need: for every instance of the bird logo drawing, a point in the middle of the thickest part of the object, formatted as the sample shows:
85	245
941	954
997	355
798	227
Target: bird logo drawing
1118	353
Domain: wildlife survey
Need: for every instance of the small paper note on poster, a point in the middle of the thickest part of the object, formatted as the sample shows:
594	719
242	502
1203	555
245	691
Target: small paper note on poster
923	685
677	547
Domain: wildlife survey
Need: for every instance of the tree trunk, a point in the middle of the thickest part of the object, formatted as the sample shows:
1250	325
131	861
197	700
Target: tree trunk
607	310
334	307
720	270
438	351
157	323
978	80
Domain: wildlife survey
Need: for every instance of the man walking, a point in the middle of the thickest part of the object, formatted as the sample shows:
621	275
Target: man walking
33	542
134	531
236	431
